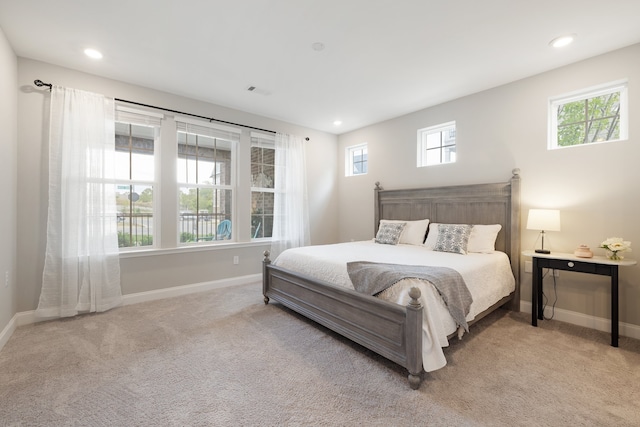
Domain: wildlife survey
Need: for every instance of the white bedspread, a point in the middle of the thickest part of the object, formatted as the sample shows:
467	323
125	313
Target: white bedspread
488	277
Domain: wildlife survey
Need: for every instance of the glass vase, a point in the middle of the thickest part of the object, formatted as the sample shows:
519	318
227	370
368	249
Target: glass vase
614	256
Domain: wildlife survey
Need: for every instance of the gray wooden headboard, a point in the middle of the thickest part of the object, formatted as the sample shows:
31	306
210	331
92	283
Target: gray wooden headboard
497	203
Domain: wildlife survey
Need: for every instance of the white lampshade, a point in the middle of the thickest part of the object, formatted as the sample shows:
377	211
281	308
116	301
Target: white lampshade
544	219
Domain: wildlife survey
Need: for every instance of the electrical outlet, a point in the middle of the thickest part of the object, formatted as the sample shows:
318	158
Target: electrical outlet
236	260
6	279
528	267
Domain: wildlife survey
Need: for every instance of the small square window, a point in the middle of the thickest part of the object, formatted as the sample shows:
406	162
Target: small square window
356	159
437	144
589	116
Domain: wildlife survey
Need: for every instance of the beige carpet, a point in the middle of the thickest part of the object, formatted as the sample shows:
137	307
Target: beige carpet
223	358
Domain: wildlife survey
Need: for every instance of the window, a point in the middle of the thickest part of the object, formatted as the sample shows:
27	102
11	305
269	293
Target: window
136	136
356	160
203	162
437	144
263	155
206	182
594	115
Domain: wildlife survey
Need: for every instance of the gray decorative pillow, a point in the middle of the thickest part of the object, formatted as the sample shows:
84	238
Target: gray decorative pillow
453	238
389	232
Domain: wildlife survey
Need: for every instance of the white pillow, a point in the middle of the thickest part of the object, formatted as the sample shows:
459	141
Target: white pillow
414	231
483	238
432	236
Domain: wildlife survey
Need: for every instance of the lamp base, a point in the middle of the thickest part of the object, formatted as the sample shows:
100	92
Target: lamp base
542	251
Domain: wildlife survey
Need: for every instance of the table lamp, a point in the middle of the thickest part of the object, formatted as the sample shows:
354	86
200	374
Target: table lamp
543	220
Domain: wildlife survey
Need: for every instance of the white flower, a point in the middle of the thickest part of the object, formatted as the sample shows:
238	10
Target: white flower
616	244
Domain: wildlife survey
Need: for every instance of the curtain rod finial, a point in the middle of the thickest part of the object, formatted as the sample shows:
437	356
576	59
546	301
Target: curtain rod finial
40	83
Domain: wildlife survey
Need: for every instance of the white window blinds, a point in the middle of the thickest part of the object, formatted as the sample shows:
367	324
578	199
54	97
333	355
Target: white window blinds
137	117
207	129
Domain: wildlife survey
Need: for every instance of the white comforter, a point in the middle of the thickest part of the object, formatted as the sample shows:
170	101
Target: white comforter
488	277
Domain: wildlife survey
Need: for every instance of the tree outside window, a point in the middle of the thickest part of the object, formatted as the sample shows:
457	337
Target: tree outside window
588	117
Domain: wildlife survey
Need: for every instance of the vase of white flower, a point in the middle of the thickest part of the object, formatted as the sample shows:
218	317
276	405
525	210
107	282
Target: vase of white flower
615	246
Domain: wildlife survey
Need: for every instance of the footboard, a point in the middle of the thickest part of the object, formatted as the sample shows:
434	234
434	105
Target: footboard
393	331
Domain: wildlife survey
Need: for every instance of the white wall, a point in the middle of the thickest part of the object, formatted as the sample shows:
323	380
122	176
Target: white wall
146	273
596	187
8	171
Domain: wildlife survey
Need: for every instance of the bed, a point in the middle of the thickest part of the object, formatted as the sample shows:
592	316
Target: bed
397	331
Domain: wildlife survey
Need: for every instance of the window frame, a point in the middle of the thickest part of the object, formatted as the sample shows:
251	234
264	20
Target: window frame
213	131
350	162
423	148
262	141
144	118
586	94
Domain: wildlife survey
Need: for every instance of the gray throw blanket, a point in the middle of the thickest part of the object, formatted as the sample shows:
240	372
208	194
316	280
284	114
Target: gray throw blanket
371	278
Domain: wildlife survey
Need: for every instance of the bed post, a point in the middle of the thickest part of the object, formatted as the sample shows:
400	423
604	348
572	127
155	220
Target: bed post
514	250
266	279
414	339
376	207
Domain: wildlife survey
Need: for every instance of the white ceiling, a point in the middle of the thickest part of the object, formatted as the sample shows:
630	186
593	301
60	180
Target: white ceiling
382	59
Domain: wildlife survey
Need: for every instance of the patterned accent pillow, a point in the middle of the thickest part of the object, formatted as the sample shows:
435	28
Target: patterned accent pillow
453	238
389	233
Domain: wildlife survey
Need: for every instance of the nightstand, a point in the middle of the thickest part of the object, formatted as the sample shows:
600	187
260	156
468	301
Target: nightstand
569	262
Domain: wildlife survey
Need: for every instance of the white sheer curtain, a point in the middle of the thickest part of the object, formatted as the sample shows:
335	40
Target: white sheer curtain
82	267
290	211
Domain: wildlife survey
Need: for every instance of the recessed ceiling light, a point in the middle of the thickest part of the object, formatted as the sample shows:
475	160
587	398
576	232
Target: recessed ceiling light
92	53
337	122
562	41
317	46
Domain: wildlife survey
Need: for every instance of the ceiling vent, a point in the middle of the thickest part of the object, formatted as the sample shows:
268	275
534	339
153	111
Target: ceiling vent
257	90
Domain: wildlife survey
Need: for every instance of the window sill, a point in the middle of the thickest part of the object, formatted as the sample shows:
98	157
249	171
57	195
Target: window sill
585	144
194	248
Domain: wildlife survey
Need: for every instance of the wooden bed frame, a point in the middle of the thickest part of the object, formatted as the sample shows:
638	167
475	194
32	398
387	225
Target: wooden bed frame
392	330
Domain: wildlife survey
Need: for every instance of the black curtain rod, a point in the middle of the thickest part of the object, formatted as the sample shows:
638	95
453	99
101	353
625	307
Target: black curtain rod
40	83
211	119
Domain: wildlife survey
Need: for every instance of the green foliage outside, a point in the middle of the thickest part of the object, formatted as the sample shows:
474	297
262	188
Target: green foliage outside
190	237
189	201
135	216
187	237
125	240
144	204
590	120
146	197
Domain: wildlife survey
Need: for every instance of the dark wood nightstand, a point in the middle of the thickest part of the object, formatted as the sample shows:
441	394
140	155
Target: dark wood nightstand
569	262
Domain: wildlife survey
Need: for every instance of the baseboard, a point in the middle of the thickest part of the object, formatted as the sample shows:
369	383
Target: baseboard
189	289
29	317
7	331
575	318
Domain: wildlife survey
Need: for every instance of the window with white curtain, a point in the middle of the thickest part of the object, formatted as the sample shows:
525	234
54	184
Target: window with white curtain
205	187
262	184
206	169
137	135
